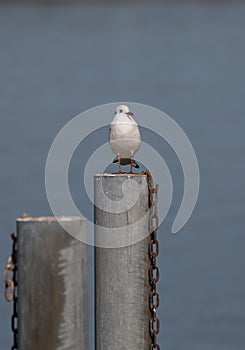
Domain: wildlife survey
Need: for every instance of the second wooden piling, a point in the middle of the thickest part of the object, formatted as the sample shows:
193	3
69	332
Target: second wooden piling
52	284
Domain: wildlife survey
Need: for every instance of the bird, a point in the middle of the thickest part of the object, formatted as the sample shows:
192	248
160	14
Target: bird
124	137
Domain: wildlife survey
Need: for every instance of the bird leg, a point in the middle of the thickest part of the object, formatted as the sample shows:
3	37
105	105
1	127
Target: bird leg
131	165
119	163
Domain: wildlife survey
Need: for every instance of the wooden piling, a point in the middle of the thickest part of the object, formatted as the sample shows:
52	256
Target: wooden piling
121	271
52	285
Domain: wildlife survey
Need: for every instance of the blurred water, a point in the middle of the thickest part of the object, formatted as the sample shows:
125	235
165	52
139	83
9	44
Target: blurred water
187	60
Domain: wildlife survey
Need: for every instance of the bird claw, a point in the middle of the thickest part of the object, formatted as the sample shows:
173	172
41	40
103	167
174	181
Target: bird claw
123	173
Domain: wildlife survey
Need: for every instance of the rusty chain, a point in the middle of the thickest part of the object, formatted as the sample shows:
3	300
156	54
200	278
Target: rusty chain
154	274
10	280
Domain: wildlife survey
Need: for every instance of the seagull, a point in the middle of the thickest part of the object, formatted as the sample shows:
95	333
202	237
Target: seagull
124	137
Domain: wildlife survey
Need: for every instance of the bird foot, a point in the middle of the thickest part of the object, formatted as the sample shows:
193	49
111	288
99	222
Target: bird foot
124	172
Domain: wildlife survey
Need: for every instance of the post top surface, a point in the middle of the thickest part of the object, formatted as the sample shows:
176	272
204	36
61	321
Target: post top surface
118	175
29	218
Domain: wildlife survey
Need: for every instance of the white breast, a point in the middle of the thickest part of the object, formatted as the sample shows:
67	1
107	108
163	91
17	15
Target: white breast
124	136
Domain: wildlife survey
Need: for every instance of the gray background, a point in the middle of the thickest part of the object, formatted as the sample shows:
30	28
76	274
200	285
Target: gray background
187	60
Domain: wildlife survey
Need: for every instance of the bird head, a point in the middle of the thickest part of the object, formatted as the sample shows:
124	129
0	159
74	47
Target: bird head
123	109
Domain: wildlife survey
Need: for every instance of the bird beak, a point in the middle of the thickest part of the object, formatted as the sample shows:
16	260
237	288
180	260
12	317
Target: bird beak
130	113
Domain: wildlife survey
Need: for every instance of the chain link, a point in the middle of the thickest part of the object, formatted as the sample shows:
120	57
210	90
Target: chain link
154	273
10	280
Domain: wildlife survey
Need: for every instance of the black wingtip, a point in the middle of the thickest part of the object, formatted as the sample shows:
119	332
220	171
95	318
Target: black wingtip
127	161
135	165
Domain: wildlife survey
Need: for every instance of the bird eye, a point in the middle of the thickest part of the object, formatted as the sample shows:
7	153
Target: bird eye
121	111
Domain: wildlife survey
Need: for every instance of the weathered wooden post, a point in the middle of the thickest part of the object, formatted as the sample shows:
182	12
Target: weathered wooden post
121	262
52	284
